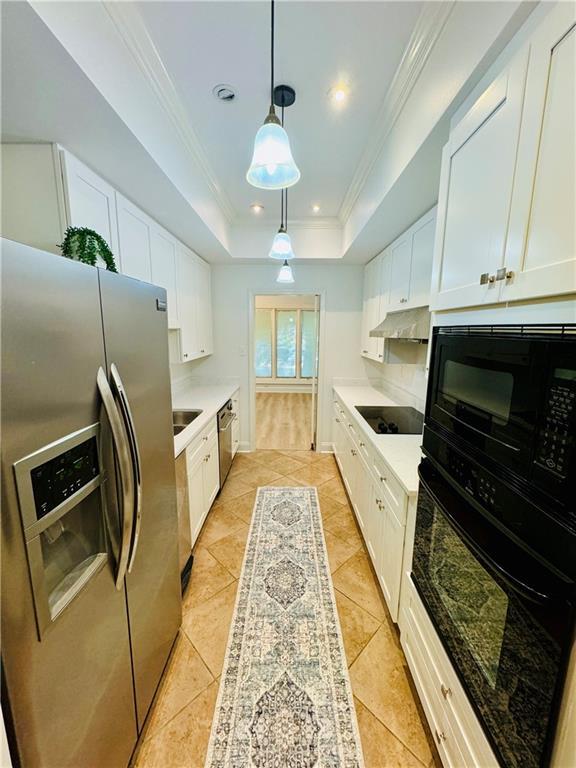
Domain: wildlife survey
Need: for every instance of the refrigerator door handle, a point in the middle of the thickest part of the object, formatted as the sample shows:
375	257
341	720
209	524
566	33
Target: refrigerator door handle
135	452
125	469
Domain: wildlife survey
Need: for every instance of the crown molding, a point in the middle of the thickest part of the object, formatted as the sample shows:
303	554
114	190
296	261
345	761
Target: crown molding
134	34
312	223
429	25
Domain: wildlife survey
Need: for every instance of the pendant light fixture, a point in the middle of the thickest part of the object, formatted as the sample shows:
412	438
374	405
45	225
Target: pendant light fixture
272	165
285	275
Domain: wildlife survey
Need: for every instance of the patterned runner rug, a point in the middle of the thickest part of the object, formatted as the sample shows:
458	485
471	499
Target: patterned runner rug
285	699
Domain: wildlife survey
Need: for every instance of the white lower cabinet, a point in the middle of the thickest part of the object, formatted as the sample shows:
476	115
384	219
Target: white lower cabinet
459	736
235	423
378	501
203	467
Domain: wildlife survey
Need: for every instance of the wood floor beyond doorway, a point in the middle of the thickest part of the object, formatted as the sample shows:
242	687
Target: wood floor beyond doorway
283	420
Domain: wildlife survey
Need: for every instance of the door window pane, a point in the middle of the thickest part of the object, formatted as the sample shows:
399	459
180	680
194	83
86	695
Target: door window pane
308	344
286	344
263	351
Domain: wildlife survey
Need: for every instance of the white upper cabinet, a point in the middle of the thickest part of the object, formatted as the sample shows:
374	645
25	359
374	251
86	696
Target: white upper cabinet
204	307
541	249
475	195
507	188
372	348
90	201
163	263
399	278
399	255
186	281
134	238
46	189
421	260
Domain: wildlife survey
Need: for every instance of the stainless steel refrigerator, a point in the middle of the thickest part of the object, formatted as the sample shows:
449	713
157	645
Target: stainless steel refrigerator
90	579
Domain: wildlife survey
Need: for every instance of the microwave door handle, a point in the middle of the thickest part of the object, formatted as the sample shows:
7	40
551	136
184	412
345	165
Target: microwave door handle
513	582
478	431
122	451
135	453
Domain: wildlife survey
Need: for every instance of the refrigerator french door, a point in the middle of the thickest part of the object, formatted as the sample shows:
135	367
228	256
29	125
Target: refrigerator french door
90	582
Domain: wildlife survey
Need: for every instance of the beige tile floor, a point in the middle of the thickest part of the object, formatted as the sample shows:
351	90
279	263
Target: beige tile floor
391	725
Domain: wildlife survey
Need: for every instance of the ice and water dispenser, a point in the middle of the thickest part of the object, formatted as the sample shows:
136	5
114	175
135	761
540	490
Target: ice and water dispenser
61	504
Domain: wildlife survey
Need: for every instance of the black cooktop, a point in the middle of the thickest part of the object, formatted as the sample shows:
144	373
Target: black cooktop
392	419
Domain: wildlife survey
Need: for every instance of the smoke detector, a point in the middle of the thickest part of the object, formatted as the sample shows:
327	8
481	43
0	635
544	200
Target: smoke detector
224	92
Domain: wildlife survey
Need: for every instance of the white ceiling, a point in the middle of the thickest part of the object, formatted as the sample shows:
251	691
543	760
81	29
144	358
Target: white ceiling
317	43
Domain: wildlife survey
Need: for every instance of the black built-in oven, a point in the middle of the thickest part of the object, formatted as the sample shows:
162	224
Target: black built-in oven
495	541
504	615
507	396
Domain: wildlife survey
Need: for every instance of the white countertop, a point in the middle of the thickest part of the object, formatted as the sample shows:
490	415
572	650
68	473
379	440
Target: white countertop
206	398
402	453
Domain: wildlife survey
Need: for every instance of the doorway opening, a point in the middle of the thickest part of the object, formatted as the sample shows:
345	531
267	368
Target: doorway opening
285	371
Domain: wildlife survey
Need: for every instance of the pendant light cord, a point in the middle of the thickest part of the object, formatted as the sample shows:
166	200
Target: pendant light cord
283	192
272	53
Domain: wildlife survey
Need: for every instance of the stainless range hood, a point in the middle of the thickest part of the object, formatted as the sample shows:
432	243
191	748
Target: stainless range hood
404	325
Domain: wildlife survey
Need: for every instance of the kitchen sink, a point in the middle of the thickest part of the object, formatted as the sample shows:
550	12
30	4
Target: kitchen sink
181	419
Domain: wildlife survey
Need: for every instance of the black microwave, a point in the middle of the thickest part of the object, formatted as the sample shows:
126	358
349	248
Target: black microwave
506	397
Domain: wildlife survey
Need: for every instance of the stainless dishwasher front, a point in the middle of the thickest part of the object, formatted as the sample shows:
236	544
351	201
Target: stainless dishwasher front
225	419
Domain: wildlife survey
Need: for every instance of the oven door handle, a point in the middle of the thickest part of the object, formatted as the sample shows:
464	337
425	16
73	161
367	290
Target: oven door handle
513	582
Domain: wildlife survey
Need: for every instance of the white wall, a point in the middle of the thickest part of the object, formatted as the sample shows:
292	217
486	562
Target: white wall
232	290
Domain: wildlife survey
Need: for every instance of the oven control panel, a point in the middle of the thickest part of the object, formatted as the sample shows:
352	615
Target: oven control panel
556	438
474	479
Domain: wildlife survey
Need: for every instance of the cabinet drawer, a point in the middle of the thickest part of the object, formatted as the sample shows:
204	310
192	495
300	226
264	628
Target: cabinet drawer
393	492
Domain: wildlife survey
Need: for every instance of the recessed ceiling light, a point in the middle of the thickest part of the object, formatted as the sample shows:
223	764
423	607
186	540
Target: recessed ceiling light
316	208
256	208
224	92
339	93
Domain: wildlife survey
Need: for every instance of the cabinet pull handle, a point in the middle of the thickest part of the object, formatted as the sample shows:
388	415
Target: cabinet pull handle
504	273
362	445
440	736
383	479
364	351
381	356
353	452
445	691
486	277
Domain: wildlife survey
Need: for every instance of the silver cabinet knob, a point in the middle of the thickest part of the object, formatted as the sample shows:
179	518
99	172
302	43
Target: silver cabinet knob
486	277
337	421
353	452
440	736
362	445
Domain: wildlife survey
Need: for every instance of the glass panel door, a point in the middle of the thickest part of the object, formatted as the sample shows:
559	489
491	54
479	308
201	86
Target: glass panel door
308	344
263	343
286	326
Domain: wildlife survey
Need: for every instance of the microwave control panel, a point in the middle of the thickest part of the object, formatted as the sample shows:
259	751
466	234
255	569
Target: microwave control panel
556	438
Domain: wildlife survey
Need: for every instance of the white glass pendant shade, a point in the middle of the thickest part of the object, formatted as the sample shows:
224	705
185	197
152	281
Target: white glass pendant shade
281	247
272	166
285	275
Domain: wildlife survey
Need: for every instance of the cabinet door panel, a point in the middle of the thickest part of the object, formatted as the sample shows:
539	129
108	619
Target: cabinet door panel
400	273
542	248
90	201
186	271
475	192
211	474
365	339
204	307
421	262
196	494
163	260
134	240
